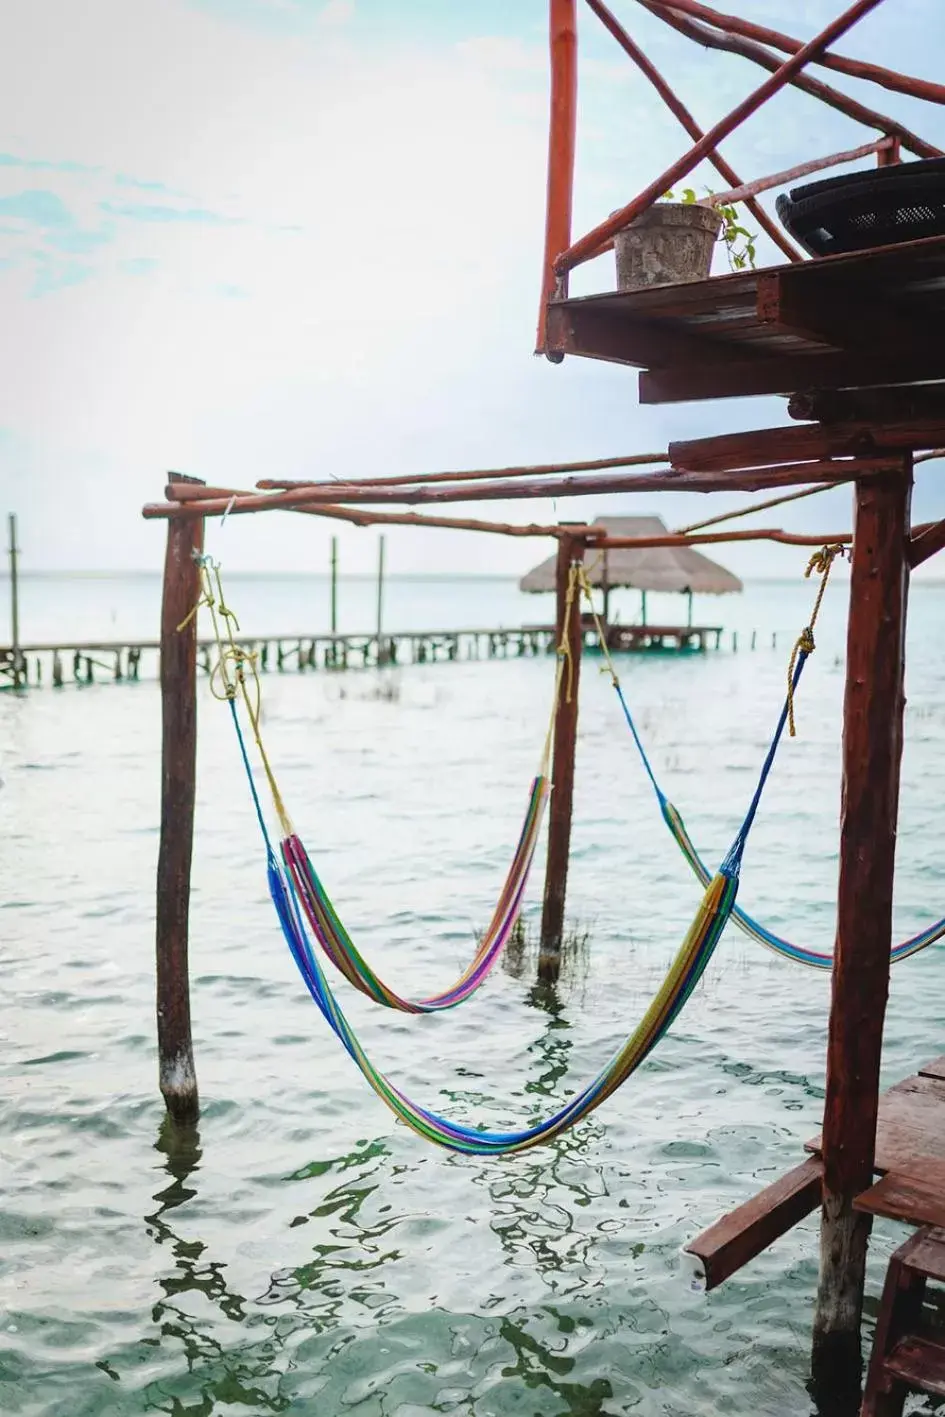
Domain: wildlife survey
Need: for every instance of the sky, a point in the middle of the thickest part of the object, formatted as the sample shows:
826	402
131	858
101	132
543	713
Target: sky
302	238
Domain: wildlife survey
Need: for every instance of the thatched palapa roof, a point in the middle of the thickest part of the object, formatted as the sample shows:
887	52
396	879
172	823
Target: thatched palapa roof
657	568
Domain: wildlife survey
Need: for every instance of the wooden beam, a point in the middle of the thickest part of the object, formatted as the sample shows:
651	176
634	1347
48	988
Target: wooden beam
745	1232
746	190
568	633
872	751
479	474
178	1077
711	38
605	334
855	68
905	405
794	443
589	245
837	313
935	1069
747	480
926	543
783	374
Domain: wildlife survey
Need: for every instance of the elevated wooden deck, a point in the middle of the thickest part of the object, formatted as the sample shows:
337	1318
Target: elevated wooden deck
867	319
909	1156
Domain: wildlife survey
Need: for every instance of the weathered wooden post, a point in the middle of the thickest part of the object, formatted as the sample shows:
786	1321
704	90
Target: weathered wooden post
872	749
689	610
19	676
380	598
334	585
642	607
569	633
178	1077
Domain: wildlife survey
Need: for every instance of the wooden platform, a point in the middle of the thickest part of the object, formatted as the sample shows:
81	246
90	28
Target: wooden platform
870	318
910	1156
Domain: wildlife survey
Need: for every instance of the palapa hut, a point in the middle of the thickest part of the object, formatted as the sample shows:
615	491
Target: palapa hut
674	569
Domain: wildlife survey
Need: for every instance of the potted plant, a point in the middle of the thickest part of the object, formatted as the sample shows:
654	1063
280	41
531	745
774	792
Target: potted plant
674	242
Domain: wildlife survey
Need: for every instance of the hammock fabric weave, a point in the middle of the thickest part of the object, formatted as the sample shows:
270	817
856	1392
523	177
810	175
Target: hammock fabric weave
684	974
814	959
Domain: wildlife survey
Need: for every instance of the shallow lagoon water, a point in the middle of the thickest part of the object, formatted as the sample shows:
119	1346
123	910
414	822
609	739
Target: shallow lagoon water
300	1252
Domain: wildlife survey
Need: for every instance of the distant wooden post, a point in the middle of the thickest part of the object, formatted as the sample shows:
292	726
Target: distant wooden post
605	583
689	611
872	749
642	607
380	598
334	585
178	1078
568	631
19	676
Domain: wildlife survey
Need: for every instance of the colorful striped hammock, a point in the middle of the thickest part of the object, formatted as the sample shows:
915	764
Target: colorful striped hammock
815	959
683	976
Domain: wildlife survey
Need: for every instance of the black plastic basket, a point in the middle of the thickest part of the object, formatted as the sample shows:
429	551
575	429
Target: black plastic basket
884	207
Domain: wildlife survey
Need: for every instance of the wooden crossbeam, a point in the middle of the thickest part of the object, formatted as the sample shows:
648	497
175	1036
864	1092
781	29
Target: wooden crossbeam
745	1232
794	442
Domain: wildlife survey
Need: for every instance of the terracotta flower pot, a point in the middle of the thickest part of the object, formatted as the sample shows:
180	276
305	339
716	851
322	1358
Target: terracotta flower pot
670	244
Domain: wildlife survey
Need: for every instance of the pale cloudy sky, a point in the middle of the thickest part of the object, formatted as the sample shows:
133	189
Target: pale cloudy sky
242	238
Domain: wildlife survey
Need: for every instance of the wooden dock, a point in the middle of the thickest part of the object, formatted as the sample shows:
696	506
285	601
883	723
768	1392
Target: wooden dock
96	661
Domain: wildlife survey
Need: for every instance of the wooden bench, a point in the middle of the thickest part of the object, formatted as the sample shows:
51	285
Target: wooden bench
907	1356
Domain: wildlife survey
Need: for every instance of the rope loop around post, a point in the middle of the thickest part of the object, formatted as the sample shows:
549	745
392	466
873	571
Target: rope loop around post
820	564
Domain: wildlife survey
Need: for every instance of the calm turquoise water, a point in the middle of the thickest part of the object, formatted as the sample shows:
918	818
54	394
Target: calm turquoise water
301	1253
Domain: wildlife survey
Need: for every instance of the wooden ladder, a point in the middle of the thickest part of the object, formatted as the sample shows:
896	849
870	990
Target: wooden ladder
905	1358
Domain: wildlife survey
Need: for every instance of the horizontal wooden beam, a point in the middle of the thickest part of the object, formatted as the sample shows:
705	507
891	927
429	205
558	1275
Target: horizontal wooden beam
270	484
802	169
883	405
785	374
606	334
827	308
751	1228
794	443
748	480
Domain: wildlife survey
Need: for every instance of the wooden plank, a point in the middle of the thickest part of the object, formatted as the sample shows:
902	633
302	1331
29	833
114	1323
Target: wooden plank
600	334
926	544
916	1197
874	700
750	1228
910	1125
836	312
795	442
919	1363
178	1078
935	1069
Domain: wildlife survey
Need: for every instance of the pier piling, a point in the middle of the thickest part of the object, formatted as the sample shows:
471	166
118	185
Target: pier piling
178	1078
569	633
872	750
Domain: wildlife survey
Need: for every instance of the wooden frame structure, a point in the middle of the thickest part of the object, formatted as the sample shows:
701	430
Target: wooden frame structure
865	413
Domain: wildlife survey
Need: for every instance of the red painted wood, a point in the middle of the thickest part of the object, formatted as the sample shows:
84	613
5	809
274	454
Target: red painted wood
745	1232
872	751
562	135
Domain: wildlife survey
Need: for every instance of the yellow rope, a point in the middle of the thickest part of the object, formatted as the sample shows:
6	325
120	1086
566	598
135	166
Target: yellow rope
821	562
564	648
585	584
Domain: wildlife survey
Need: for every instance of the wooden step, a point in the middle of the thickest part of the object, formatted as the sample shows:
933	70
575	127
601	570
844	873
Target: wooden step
916	1196
919	1363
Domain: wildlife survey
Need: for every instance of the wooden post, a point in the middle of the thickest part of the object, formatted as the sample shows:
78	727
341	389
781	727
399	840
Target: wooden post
562	134
872	748
642	607
689	610
605	583
380	597
568	630
18	674
334	585
178	773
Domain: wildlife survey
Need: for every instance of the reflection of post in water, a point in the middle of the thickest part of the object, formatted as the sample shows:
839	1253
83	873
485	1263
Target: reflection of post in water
523	959
537	1366
232	1374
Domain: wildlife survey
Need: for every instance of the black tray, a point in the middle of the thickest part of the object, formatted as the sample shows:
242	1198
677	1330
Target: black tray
903	202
